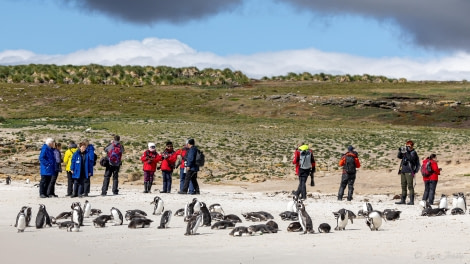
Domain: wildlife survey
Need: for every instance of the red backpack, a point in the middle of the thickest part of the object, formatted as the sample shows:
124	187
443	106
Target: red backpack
115	155
426	169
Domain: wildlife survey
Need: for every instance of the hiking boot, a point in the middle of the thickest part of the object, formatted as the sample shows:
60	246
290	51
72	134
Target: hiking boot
180	192
412	200
403	200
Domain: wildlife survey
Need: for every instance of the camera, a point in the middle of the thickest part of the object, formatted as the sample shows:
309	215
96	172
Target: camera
403	149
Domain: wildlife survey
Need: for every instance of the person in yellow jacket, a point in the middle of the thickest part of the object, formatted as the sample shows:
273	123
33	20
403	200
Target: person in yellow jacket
68	161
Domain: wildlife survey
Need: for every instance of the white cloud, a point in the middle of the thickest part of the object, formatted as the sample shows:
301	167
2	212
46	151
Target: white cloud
155	52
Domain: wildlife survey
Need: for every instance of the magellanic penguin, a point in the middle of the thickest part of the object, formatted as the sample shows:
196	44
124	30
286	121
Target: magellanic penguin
165	219
95	212
131	214
292	205
179	212
443	201
455	197
216	208
391	215
78	207
324	228
42	218
304	219
21	222
294	227
232	217
117	216
86	209
190	209
27	214
374	220
101	220
76	216
158	205
342	217
239	231
8	180
223	224
193	224
461	203
289	216
366	208
139	223
424	204
63	215
206	215
261	229
457	211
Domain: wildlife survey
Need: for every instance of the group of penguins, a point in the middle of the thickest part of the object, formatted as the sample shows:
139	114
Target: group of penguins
459	206
197	214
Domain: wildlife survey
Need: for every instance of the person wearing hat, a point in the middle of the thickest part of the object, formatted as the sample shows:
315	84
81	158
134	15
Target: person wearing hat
305	165
150	158
350	162
47	166
409	166
67	161
192	168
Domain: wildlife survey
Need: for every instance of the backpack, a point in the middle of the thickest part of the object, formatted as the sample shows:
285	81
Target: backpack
115	155
305	159
200	158
350	164
104	161
426	169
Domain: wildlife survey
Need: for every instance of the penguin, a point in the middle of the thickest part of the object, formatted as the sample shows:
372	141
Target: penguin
424	205
289	216
224	224
193	224
86	209
217	216
391	215
324	228
206	216
73	227
64	225
254	216
457	211
266	215
239	231
79	217
117	216
21	222
27	181
455	197
374	220
216	208
63	215
180	212
261	229
23	210
197	205
434	212
101	220
189	209
366	208
8	180
42	218
95	212
294	227
273	225
158	205
305	219
342	217
443	201
461	203
130	214
292	205
351	216
165	219
233	218
76	216
139	223
27	212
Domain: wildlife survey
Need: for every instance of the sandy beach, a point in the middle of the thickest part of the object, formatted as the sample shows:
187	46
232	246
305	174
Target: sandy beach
412	238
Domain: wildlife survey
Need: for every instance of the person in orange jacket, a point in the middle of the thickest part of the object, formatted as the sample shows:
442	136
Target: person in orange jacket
349	162
169	157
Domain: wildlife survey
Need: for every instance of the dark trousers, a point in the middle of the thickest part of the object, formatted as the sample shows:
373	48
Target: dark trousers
347	179
78	186
111	171
182	178
51	187
302	189
44	184
86	185
69	183
191	176
429	191
166	175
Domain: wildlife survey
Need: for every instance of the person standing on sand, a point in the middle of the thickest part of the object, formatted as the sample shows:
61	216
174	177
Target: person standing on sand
181	156
58	169
349	162
192	168
168	165
297	164
114	151
68	161
90	151
305	165
149	158
47	166
430	183
81	168
409	166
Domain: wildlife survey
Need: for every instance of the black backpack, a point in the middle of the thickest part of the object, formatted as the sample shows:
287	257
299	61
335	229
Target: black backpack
350	164
200	158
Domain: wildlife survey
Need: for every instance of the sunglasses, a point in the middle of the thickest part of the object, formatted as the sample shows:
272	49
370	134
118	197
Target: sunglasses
152	147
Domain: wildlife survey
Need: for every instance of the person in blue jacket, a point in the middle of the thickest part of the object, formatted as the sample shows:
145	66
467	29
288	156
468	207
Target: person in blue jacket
90	151
81	169
47	166
190	164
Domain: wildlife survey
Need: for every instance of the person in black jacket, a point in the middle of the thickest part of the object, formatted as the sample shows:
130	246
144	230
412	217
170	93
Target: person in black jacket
409	166
193	168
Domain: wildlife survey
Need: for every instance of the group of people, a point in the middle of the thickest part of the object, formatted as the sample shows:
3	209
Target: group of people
167	161
410	165
80	162
79	165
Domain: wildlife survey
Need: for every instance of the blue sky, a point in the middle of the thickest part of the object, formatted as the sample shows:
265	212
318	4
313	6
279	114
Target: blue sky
259	37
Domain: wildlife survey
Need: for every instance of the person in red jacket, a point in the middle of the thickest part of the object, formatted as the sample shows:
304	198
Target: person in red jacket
297	164
169	157
430	183
349	162
150	158
305	163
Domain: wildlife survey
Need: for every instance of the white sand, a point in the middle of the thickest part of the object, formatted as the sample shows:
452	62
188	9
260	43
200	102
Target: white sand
411	239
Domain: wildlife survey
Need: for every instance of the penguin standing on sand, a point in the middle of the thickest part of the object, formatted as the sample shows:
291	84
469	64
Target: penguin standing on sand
461	203
443	201
342	217
79	214
455	197
8	180
193	223
292	205
158	205
165	219
374	220
42	218
206	215
117	216
86	209
305	219
21	222
76	216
